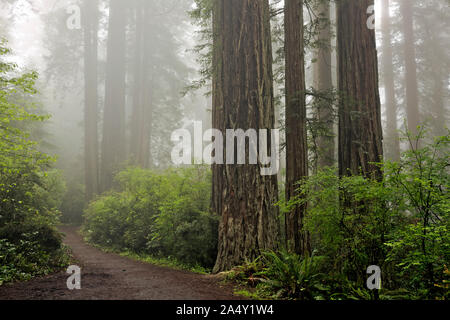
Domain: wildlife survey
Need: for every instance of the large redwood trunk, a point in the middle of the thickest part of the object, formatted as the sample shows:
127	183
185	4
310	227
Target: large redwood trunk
297	240
91	156
360	129
243	99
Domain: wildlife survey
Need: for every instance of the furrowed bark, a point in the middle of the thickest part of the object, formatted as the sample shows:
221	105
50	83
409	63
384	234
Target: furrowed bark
360	129
243	99
297	240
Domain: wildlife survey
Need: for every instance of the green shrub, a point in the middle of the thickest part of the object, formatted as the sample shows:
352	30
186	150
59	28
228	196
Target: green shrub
46	236
351	235
282	275
292	276
29	256
164	214
30	193
30	248
400	223
420	249
106	220
73	204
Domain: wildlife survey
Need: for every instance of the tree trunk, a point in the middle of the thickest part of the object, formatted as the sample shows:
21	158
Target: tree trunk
360	129
91	156
439	94
141	115
323	83
433	40
243	63
217	103
412	91
392	136
297	240
113	143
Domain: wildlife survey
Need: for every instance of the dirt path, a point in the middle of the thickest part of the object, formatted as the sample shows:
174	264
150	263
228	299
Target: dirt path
107	276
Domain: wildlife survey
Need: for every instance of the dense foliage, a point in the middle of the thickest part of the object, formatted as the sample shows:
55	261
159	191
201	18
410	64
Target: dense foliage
400	223
29	193
73	203
163	214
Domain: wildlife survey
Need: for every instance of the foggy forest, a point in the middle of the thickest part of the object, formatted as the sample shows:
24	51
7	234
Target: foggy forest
224	149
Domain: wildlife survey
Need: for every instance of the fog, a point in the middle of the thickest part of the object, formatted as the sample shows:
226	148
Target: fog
49	36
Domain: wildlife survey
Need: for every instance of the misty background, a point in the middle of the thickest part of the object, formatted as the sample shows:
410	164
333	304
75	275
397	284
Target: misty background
38	33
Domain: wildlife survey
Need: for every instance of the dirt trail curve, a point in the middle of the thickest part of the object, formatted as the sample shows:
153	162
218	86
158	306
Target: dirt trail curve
107	276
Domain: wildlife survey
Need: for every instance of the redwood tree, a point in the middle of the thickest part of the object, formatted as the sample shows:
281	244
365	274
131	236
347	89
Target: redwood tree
323	83
412	91
217	101
393	143
360	129
91	156
243	99
140	120
113	143
297	239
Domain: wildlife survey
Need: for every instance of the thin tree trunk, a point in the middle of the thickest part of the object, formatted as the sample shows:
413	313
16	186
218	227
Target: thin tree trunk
360	129
113	143
439	75
323	83
392	136
141	121
439	92
91	155
217	102
297	239
138	82
243	52
412	91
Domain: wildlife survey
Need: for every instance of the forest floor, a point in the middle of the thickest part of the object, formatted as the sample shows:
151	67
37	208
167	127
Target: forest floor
108	276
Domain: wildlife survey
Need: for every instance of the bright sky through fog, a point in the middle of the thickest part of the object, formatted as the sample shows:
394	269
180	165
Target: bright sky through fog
26	31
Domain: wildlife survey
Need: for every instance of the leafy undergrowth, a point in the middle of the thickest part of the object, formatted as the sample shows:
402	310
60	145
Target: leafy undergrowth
30	192
279	276
156	213
29	256
285	276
